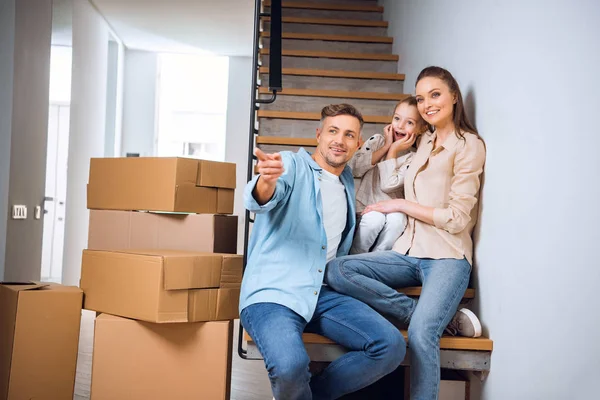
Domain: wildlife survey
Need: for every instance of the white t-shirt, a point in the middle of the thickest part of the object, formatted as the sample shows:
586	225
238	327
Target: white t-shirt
335	210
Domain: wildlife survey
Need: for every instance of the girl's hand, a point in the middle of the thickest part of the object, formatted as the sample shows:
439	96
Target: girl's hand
403	144
385	207
388	134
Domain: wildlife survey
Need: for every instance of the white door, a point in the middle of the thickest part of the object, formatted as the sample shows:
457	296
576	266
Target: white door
56	192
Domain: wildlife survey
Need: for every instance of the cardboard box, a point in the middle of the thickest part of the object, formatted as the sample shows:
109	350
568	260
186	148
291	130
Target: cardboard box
124	230
216	174
39	337
137	360
159	184
162	285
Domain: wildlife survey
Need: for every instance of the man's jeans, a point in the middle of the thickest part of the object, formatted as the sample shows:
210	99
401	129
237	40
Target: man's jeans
375	346
371	278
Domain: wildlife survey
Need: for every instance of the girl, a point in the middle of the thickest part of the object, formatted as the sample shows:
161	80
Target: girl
377	231
435	250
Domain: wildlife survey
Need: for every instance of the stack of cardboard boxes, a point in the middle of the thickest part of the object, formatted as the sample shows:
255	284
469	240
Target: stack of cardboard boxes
161	270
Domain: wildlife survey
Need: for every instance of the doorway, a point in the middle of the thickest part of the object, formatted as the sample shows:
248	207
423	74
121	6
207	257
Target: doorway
56	192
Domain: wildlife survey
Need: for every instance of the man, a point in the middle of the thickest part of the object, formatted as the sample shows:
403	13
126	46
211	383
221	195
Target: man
305	216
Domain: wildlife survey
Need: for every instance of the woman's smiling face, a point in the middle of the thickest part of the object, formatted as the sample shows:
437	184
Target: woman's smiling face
435	101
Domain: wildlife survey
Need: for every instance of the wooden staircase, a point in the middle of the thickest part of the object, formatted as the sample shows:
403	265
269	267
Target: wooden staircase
332	52
336	51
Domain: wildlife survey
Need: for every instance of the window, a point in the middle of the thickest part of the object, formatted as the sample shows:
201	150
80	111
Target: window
60	74
192	106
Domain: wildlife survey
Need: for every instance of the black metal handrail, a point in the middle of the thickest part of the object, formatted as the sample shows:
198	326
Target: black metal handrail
275	85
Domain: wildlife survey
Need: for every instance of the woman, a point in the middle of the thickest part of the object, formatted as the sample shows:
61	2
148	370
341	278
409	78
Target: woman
436	249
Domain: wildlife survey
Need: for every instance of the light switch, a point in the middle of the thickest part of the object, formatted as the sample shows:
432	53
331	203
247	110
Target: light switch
19	211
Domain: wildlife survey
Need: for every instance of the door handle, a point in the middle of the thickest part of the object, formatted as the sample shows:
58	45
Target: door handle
46	198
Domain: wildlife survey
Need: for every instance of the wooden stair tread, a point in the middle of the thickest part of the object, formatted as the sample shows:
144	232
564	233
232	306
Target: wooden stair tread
333	38
331	73
337	93
331	21
376	119
286	141
325	6
335	54
446	342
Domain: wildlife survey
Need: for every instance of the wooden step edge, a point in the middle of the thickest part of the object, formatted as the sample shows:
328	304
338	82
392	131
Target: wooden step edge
329	7
342	94
416	291
286	141
336	55
332	73
371	119
332	38
329	21
446	342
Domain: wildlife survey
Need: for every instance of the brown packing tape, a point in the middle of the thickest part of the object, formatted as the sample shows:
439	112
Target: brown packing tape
231	273
202	305
213	304
228	304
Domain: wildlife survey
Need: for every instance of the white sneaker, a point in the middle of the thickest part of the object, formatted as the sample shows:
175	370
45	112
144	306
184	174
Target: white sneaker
464	323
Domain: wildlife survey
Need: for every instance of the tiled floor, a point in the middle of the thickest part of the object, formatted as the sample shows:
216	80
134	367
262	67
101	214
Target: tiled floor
249	379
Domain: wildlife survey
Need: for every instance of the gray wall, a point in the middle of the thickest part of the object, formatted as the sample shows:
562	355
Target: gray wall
236	141
31	86
87	128
530	73
139	102
7	46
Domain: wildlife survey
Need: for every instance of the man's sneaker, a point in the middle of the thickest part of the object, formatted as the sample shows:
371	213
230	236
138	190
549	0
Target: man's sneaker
464	323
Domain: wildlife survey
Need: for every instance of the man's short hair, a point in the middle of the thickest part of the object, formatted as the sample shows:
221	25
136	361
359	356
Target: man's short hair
333	110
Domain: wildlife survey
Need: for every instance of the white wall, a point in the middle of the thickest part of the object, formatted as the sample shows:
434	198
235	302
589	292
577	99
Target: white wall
531	71
7	45
236	142
112	96
139	102
87	133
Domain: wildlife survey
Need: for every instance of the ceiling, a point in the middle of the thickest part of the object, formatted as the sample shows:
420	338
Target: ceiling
221	27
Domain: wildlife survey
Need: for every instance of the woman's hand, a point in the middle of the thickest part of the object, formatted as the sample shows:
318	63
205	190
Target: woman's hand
385	207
